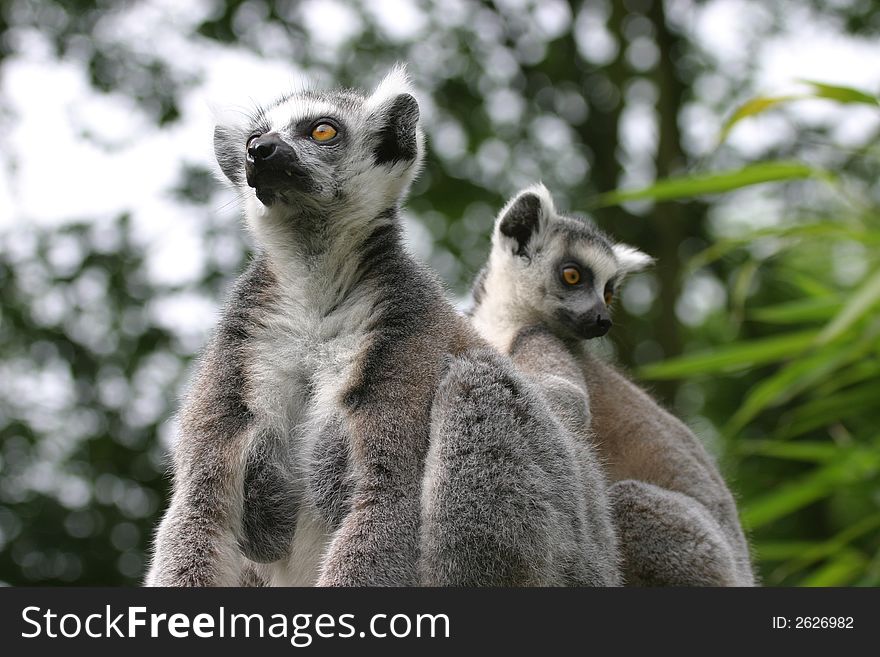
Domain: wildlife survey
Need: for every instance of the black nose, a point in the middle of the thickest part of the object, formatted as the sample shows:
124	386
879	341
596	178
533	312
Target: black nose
264	148
271	163
595	326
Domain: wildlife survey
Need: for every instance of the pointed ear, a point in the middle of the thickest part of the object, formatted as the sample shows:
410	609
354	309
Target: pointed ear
524	218
229	150
231	132
397	138
396	112
630	258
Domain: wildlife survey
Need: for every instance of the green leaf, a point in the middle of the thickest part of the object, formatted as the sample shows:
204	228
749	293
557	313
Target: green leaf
858	373
810	554
837	572
792	234
828	410
752	107
781	550
701	184
810	451
845	95
745	276
809	285
816	309
732	358
791	380
761	104
859	304
853	466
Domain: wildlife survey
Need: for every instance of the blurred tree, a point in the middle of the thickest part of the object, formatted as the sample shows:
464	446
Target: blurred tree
82	469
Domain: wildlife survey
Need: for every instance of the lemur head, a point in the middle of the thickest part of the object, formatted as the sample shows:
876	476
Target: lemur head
549	268
337	154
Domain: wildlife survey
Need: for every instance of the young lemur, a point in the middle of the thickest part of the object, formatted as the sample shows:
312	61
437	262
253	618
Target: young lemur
676	520
303	439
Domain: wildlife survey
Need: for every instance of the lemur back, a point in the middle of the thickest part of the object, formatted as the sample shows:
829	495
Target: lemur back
302	441
508	485
676	520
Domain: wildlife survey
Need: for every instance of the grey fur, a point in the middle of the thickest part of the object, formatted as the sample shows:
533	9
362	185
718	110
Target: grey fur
510	497
302	443
676	519
271	502
330	479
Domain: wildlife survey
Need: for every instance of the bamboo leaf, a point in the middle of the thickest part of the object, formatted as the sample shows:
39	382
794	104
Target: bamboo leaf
782	550
752	107
742	284
816	309
732	358
837	572
809	285
810	554
840	94
760	104
828	410
712	183
789	233
859	304
810	451
860	372
854	466
791	380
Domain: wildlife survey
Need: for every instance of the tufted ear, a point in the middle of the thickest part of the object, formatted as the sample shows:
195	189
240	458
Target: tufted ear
232	126
524	218
229	157
397	138
630	259
396	112
395	83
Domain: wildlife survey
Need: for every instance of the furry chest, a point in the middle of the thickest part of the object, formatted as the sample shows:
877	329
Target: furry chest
294	388
299	368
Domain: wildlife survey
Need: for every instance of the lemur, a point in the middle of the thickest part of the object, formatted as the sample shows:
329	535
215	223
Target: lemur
302	442
676	519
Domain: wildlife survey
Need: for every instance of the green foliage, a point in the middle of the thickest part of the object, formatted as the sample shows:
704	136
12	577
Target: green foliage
809	422
701	184
80	488
761	104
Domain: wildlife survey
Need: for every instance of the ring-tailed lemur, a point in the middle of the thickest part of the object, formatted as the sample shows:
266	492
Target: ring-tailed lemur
302	442
676	520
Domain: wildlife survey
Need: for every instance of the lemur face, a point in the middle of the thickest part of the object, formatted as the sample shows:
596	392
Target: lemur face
564	272
326	151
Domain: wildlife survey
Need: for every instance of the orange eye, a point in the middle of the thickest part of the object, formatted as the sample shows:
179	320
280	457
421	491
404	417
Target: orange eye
323	132
571	275
609	297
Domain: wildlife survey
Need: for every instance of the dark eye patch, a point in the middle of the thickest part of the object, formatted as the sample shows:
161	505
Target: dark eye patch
586	273
304	127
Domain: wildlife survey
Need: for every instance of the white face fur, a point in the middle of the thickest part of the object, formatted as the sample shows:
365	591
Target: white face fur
550	269
347	180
